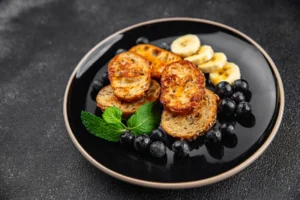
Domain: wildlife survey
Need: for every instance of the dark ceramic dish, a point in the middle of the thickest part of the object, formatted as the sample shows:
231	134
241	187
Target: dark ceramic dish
205	164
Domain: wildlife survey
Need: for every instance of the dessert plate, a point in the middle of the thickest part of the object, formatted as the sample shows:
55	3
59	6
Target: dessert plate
204	165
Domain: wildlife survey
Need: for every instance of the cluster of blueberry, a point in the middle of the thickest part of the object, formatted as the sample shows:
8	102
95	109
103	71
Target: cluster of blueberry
154	143
234	104
233	99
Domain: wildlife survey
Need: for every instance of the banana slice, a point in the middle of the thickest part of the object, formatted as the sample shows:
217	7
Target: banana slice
217	62
230	72
204	54
185	45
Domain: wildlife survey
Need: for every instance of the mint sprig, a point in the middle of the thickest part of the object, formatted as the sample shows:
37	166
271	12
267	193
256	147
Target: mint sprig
145	119
110	126
100	128
113	115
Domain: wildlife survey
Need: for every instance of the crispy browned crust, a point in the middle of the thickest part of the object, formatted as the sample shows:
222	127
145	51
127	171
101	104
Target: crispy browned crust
158	57
129	75
182	86
106	98
196	123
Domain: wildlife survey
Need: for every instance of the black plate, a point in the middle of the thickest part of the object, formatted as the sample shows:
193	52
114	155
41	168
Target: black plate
204	163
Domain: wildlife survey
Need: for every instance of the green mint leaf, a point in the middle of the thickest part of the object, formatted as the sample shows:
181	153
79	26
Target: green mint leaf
145	119
100	128
112	115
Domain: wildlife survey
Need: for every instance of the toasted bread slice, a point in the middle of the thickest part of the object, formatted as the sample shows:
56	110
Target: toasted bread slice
106	98
158	57
182	86
194	124
129	75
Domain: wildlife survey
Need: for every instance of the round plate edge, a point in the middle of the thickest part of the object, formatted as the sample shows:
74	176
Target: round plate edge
191	184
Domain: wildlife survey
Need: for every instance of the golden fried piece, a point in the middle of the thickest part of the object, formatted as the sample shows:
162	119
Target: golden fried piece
129	75
194	124
182	86
158	57
106	98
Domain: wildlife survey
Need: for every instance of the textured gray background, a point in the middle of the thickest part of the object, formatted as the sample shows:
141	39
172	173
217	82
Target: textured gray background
41	41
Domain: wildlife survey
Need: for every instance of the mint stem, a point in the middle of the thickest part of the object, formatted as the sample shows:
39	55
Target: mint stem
124	126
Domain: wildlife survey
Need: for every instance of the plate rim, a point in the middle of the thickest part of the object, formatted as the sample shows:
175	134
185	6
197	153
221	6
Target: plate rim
189	184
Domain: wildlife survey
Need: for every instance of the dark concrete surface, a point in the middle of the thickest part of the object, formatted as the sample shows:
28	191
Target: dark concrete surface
41	41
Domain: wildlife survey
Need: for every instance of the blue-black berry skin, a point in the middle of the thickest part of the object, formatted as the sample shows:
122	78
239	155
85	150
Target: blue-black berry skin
214	136
238	97
142	143
120	51
165	46
227	129
142	40
223	89
157	149
97	85
243	109
181	148
227	107
157	135
127	139
241	85
105	75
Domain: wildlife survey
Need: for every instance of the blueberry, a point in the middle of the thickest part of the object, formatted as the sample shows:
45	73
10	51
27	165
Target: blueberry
161	128
227	106
241	85
105	75
141	143
223	89
105	79
243	109
181	148
157	135
227	129
120	51
238	97
126	139
214	136
157	149
226	119
97	85
142	40
164	46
